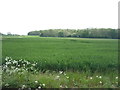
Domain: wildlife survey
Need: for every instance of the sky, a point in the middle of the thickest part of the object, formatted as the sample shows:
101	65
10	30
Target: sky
22	16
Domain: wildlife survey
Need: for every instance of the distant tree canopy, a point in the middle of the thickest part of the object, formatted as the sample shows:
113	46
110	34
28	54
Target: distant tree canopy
82	33
0	33
9	34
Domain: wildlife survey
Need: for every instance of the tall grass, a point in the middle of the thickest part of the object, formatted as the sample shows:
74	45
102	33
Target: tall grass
43	62
24	74
64	54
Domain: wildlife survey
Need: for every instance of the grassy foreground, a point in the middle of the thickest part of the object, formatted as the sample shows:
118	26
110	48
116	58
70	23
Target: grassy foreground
24	74
56	80
60	62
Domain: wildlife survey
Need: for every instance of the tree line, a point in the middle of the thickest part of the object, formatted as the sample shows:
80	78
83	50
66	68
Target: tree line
9	34
81	33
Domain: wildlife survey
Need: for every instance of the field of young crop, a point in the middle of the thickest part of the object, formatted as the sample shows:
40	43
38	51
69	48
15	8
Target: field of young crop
90	58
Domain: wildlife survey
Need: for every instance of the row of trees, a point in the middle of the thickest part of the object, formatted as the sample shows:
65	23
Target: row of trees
9	34
82	33
1	33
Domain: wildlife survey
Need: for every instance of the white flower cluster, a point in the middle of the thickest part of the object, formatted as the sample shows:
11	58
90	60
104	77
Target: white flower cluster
11	66
41	86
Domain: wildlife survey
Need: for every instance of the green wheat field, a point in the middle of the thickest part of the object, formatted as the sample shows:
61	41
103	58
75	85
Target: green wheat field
59	62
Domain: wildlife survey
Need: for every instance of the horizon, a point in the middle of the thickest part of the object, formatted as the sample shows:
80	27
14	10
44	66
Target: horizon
64	14
55	29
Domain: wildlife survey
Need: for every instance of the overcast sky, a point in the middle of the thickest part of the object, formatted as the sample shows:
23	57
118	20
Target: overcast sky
22	16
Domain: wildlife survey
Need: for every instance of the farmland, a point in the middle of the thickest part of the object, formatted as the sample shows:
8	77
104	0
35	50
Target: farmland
75	56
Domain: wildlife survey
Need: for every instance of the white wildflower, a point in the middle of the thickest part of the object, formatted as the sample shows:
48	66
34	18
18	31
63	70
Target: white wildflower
28	62
40	84
18	65
36	81
60	72
15	62
6	84
23	86
20	60
116	77
57	76
12	67
67	77
66	86
16	69
43	85
6	58
39	87
5	66
91	78
8	63
24	65
100	82
96	76
31	68
61	86
100	76
33	64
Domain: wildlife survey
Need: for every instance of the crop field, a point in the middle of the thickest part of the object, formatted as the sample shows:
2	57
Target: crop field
58	57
